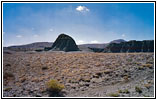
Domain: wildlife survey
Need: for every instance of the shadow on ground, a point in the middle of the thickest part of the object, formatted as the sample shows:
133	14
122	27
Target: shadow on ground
56	94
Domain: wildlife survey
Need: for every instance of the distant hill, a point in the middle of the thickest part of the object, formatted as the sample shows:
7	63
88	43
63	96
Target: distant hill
103	45
29	47
118	41
98	47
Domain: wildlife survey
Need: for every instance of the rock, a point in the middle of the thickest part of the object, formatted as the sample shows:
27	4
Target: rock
96	80
64	43
38	95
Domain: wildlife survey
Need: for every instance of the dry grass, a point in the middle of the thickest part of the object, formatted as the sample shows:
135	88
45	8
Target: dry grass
147	65
73	68
8	75
54	85
114	94
147	85
138	89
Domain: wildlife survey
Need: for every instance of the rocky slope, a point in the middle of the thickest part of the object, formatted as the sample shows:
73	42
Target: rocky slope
83	74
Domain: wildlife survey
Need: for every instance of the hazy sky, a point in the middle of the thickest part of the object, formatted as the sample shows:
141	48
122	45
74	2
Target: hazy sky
25	23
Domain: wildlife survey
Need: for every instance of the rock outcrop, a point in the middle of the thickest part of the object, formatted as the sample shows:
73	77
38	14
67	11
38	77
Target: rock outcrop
64	43
131	46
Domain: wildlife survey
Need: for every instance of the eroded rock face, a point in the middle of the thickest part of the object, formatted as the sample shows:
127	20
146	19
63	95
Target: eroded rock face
131	46
64	43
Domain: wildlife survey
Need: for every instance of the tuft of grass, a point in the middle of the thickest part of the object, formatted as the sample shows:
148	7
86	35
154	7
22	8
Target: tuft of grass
38	50
44	67
7	89
120	91
126	78
114	95
147	65
55	86
138	89
146	95
7	65
147	85
22	79
140	67
8	75
129	60
124	91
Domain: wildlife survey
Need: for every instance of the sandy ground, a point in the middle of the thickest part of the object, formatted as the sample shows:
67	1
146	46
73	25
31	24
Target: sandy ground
25	74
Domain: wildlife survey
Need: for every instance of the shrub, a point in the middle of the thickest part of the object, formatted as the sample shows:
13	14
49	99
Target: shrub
38	50
47	48
120	91
7	89
54	86
44	67
138	89
129	60
114	95
140	67
147	65
126	91
147	86
126	78
8	75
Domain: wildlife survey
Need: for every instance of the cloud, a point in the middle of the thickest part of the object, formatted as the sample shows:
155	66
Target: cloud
50	29
123	35
35	35
94	41
19	36
80	42
82	9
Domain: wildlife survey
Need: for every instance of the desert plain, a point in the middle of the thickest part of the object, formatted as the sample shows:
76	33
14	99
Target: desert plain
83	74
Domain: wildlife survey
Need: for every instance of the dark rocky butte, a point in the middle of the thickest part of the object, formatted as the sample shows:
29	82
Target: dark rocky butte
131	46
64	43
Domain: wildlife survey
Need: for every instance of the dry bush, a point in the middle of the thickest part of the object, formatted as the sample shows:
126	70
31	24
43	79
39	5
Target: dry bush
147	85
138	89
147	65
44	67
8	75
54	86
114	95
7	89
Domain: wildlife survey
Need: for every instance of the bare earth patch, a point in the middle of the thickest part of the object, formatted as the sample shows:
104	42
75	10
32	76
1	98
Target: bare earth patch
82	74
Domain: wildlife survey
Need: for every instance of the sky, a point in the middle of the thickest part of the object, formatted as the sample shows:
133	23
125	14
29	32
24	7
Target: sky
25	23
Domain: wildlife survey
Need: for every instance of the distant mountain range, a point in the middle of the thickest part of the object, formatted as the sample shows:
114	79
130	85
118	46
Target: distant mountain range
32	46
118	45
42	45
118	41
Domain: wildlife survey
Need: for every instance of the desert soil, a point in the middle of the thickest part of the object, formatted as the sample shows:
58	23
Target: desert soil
25	74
